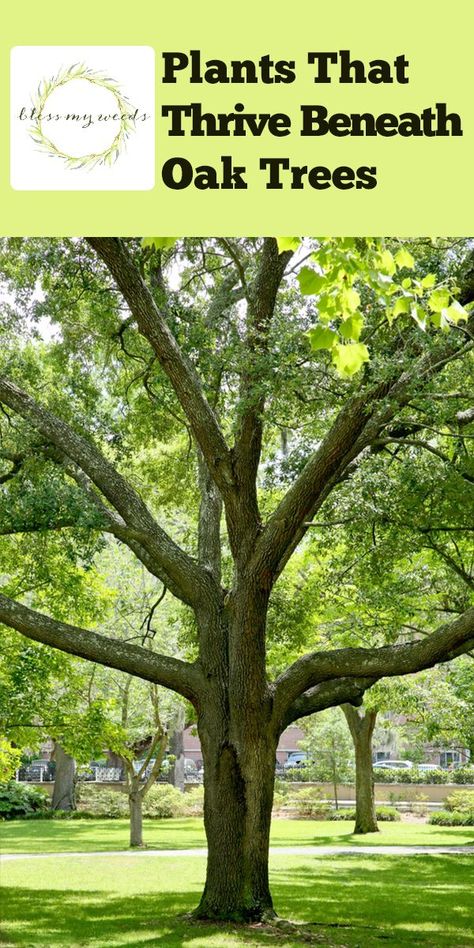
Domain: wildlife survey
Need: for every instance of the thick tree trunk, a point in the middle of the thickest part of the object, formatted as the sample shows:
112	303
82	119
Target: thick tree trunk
361	728
238	794
176	748
238	742
64	791
136	818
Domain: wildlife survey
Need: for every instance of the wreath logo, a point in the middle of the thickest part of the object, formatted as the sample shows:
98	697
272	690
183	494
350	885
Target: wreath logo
87	161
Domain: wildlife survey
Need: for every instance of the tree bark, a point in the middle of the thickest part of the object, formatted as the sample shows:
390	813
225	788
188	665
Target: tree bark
238	740
176	748
64	791
238	795
135	802
361	727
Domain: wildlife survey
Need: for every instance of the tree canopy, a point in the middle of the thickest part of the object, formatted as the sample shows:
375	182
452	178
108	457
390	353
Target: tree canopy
220	408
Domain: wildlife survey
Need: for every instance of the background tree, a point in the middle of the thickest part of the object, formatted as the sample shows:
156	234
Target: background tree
361	723
329	746
205	368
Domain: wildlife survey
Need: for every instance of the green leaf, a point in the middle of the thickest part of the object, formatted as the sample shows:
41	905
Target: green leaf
310	282
326	307
403	258
439	321
387	263
419	315
428	281
454	313
288	243
438	300
351	328
406	283
322	338
402	305
159	243
349	359
350	299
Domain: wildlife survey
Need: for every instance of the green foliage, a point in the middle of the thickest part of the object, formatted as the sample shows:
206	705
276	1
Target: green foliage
193	801
10	758
329	746
309	803
18	800
384	814
349	357
413	775
347	270
162	801
100	802
159	243
288	243
452	818
460	800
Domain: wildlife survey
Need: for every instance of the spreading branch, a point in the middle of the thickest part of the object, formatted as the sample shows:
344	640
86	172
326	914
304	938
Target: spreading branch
357	427
326	695
180	569
448	641
151	321
261	301
179	676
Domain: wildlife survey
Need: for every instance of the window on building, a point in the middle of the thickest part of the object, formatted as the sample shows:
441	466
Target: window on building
446	758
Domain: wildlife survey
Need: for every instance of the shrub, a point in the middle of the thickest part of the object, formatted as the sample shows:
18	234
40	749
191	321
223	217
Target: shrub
164	801
279	800
461	775
452	818
384	814
393	775
419	804
193	802
460	800
99	802
20	800
413	775
310	803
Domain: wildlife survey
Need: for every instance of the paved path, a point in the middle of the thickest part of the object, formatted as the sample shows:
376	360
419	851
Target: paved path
274	851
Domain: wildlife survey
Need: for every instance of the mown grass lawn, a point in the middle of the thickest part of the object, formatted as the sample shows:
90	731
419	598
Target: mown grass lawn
364	901
104	835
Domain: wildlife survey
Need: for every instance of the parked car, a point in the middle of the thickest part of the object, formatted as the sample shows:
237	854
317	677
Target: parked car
393	765
193	773
297	759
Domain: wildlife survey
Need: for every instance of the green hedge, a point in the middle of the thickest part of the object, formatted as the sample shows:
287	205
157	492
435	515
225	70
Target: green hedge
462	775
452	818
384	814
413	775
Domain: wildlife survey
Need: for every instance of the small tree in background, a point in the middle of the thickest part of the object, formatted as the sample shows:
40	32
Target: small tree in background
329	747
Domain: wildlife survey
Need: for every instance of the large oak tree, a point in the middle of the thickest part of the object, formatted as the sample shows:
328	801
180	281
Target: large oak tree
227	358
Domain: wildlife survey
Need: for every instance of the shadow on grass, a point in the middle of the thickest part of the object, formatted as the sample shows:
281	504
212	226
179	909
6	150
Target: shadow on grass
439	836
46	836
423	901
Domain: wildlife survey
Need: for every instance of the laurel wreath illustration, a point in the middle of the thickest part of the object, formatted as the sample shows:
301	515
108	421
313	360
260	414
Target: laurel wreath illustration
45	144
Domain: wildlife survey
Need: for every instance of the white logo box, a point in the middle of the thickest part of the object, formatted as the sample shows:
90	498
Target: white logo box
82	118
